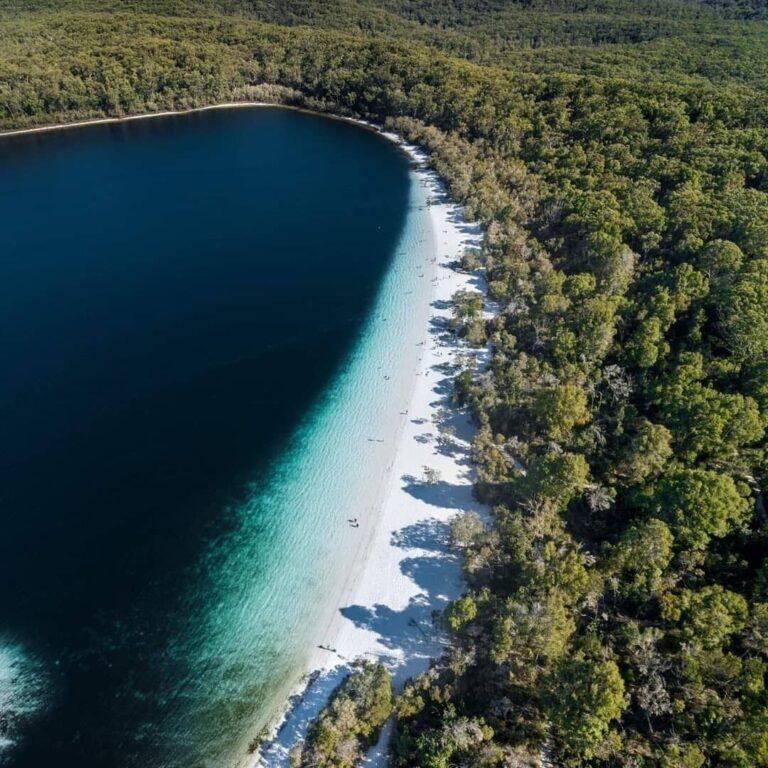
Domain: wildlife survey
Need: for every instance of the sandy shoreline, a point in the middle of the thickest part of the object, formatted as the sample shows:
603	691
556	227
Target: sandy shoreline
143	116
405	570
193	110
402	570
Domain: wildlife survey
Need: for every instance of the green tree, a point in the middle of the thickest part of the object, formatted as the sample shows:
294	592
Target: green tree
355	712
720	261
741	309
699	504
554	477
642	555
532	633
708	616
559	409
710	423
648	449
460	612
586	696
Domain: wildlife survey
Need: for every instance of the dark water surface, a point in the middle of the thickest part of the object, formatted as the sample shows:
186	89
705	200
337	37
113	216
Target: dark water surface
175	294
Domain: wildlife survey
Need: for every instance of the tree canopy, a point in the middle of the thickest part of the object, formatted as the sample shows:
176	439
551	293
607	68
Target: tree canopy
616	155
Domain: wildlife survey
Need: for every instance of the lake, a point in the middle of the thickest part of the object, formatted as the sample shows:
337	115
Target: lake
192	309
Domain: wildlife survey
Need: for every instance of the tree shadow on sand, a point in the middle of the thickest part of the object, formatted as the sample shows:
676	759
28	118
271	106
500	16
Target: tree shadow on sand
441	328
431	535
460	425
454	450
439	494
409	637
412	635
443	388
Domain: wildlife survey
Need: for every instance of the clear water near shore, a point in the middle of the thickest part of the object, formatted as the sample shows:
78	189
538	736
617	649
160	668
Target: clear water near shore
210	321
333	470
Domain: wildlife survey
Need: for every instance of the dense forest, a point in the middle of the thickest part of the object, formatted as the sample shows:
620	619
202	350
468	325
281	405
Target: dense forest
616	153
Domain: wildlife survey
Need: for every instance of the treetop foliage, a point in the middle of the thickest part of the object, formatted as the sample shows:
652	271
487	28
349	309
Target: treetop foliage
616	154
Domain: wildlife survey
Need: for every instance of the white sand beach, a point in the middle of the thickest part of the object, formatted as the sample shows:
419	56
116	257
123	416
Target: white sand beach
398	568
405	571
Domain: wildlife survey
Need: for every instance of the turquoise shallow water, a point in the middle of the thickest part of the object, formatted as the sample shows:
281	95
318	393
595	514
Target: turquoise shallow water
198	315
334	468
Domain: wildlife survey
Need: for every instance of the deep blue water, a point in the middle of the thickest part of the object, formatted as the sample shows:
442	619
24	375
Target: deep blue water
175	296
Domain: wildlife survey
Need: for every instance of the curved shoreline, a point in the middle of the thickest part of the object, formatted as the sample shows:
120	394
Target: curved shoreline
128	118
404	570
384	603
191	111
